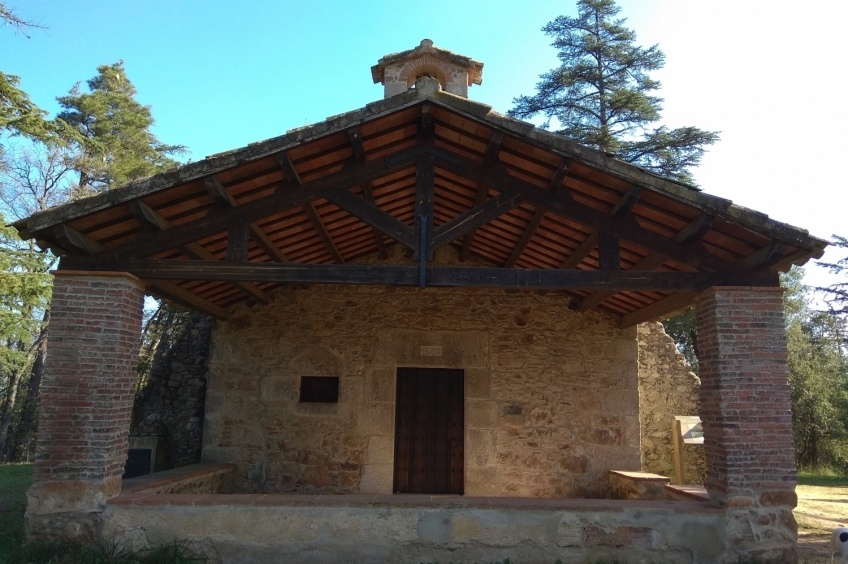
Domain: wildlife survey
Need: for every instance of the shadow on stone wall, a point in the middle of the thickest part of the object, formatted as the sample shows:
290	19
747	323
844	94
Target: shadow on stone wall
170	403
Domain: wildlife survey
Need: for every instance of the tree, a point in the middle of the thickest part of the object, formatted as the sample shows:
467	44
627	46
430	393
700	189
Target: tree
818	378
116	144
837	294
602	94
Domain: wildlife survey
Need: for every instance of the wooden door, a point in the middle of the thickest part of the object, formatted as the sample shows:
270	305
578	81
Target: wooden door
429	431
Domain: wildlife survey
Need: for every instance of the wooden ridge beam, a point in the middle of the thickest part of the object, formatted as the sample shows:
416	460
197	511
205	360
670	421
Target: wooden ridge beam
573	279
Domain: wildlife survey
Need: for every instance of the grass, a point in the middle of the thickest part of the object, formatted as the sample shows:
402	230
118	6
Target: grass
822	477
14	481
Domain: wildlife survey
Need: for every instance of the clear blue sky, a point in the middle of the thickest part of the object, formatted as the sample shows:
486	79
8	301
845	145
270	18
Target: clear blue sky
219	75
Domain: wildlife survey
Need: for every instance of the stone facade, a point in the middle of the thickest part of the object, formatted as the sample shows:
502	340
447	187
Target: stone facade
551	399
667	387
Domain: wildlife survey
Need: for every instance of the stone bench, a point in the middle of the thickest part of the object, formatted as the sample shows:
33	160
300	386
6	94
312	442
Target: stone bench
637	485
204	478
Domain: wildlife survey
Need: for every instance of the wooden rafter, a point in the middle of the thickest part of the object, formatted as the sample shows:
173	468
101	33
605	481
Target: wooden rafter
373	216
479	215
321	229
358	149
493	149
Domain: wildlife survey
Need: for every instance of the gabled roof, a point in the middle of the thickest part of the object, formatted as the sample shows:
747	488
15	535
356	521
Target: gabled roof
422	169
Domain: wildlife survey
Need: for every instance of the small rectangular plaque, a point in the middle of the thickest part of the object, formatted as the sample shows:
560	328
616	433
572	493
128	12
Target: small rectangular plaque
432	350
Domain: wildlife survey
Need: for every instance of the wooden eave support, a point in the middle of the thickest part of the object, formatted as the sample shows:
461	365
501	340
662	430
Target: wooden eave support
167	289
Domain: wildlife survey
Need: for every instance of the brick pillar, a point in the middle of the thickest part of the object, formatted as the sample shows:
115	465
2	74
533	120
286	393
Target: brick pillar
747	421
86	401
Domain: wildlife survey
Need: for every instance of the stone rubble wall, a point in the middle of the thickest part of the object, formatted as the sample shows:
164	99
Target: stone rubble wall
551	399
170	405
667	387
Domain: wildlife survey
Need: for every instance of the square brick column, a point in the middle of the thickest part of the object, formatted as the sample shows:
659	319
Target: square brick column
86	401
747	420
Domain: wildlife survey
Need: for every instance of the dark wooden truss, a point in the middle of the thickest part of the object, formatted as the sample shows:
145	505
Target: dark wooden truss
422	171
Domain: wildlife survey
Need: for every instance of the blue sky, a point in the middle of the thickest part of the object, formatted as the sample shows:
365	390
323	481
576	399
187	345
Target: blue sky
219	75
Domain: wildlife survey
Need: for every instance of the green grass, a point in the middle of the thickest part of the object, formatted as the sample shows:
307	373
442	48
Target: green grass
822	477
14	481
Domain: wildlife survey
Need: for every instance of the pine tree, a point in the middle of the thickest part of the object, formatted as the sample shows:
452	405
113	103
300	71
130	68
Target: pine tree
602	94
117	145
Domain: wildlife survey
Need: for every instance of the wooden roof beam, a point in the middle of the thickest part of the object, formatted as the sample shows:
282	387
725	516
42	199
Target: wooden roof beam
358	149
442	276
692	232
221	195
151	219
626	228
375	217
582	251
219	220
180	295
657	310
475	217
321	229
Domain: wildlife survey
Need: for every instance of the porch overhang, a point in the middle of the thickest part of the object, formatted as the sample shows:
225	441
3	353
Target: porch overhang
422	170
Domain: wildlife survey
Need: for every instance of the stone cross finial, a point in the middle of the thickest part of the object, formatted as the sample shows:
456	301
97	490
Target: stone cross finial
398	72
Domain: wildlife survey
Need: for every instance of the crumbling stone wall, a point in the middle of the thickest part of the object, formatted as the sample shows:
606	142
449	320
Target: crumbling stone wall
667	387
551	399
170	405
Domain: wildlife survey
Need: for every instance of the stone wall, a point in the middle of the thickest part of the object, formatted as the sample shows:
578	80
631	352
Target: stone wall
386	529
551	400
170	405
667	387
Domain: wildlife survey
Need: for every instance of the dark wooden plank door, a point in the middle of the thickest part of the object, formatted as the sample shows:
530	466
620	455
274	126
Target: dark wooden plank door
429	430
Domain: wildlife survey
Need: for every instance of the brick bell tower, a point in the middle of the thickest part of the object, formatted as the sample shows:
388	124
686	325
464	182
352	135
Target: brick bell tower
399	71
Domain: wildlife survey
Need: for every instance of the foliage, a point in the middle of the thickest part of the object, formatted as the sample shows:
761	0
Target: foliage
683	329
837	294
602	94
818	378
115	144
